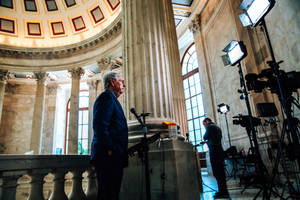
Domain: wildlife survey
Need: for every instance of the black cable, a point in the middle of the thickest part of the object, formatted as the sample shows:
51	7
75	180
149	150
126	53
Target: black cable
163	173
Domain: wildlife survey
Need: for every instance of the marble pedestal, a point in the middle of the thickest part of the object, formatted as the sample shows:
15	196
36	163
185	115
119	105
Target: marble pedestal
174	173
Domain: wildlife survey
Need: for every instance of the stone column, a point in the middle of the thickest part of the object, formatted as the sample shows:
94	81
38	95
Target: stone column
74	111
49	119
92	97
204	71
3	77
37	121
147	60
150	59
176	71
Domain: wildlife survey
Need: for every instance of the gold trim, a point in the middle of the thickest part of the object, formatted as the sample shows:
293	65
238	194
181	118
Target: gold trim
91	17
33	36
16	26
72	25
31	12
50	28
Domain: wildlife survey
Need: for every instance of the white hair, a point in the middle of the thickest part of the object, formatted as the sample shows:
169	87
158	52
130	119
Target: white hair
109	76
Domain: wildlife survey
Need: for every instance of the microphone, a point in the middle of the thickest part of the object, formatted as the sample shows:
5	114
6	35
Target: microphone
136	116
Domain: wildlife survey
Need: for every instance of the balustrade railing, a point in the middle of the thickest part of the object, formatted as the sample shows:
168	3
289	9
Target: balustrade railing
12	167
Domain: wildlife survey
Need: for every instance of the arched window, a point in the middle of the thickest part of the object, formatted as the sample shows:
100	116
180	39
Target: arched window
83	122
193	96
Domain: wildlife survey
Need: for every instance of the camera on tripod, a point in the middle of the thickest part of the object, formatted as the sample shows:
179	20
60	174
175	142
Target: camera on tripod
266	79
244	120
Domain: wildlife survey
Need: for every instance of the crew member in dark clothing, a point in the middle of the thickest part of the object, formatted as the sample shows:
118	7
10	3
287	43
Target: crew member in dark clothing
212	137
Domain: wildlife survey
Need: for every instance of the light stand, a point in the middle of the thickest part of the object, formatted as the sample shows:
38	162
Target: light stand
145	150
224	109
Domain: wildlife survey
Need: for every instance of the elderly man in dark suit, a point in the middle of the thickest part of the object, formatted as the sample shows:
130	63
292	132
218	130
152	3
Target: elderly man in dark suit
110	141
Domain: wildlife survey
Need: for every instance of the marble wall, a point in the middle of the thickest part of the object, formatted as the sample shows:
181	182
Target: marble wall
15	129
218	24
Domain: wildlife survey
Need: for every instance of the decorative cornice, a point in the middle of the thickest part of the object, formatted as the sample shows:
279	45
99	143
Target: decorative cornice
65	51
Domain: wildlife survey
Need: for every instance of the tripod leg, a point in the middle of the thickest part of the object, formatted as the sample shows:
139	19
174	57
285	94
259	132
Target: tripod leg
257	194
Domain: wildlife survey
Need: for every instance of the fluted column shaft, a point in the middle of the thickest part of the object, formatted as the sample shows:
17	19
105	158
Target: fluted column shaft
3	77
146	58
92	97
175	70
74	111
37	120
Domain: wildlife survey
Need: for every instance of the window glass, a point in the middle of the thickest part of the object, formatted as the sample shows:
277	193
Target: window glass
193	97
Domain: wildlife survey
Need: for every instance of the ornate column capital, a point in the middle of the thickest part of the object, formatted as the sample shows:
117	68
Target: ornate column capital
41	77
4	75
195	25
104	63
92	84
52	88
76	73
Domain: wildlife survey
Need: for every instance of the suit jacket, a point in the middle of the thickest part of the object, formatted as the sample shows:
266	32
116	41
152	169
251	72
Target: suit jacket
213	135
110	131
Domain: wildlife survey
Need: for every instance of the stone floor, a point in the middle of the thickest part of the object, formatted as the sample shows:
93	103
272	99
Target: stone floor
234	188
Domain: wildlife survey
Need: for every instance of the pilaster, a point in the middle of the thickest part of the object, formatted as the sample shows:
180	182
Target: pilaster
205	75
4	75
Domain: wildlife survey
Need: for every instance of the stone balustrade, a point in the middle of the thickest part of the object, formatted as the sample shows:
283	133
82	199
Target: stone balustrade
12	167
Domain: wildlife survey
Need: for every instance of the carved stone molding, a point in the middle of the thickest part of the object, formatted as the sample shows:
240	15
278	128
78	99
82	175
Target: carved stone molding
92	84
195	25
76	73
52	89
10	88
41	77
104	63
4	75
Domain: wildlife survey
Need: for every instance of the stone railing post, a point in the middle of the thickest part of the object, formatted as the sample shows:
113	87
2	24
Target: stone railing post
77	191
59	185
92	187
37	182
9	183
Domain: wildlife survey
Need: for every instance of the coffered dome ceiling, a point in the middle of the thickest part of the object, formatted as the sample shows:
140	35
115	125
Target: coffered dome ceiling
49	35
53	23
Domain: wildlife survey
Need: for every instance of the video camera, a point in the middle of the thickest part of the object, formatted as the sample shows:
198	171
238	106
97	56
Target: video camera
290	81
244	120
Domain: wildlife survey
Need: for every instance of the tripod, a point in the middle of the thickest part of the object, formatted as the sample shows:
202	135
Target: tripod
284	95
145	149
260	168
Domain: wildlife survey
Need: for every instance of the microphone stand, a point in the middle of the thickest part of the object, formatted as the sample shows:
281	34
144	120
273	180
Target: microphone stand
145	149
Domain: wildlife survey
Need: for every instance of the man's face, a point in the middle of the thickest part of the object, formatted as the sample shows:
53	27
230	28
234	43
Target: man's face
118	85
205	123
